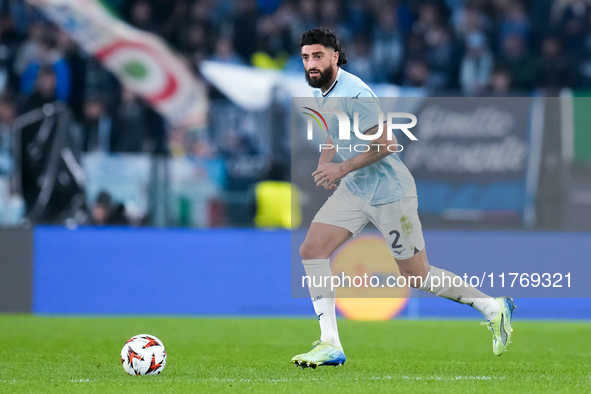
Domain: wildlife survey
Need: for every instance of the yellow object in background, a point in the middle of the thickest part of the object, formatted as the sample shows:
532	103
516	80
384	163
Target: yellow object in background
265	61
278	205
368	256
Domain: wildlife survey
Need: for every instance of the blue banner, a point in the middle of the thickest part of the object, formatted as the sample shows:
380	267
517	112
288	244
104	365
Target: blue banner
473	156
245	272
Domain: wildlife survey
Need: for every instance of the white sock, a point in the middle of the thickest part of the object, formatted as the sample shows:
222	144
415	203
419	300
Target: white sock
323	299
448	285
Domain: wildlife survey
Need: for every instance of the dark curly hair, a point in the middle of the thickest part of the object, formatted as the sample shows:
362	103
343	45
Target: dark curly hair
326	37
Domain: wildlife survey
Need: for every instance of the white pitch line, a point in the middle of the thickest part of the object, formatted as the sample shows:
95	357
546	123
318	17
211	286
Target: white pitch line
386	377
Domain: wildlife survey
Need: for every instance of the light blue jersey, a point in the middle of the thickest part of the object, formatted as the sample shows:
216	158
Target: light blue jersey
384	181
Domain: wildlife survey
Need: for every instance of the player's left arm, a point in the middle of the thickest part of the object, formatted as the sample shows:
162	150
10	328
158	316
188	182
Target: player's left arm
332	173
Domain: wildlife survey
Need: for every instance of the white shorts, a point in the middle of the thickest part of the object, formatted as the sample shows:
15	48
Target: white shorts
398	221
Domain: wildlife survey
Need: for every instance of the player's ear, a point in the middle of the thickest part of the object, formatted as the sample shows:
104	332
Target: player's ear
335	58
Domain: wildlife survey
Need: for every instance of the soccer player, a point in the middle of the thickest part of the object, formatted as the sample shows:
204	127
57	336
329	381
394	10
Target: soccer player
374	186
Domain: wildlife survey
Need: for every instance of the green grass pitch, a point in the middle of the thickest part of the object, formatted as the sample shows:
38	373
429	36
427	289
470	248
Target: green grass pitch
79	354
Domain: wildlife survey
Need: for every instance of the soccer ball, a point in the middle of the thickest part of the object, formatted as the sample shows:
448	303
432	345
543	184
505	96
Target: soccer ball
143	355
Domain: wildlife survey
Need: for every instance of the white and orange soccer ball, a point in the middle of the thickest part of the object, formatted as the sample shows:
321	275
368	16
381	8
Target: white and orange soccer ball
143	355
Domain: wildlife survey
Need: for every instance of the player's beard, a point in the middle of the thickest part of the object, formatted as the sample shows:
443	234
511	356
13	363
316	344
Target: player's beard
324	78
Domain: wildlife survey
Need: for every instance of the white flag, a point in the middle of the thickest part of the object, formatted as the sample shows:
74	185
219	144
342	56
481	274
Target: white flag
141	60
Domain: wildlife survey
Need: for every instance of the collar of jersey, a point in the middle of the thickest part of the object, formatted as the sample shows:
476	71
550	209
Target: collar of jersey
333	84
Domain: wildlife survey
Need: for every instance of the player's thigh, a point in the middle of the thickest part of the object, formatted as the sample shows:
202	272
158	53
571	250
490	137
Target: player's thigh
400	225
322	240
339	219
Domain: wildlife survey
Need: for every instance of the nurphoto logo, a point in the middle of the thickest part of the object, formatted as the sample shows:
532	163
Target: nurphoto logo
344	124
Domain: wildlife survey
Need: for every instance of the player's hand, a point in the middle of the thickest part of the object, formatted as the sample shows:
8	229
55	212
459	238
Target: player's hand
327	175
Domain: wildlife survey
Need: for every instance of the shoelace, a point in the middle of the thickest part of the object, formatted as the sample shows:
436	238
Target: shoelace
316	344
488	325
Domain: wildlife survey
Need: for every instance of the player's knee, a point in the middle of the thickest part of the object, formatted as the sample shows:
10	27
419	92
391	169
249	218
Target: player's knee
310	250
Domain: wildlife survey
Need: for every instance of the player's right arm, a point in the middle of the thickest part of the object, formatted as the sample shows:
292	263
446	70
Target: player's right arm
327	154
325	158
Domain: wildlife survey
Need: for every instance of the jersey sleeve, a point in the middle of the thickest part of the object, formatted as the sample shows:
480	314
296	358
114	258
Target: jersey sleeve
367	106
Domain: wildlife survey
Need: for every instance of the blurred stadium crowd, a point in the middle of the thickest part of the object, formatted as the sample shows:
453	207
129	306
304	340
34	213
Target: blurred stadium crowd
472	45
469	46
